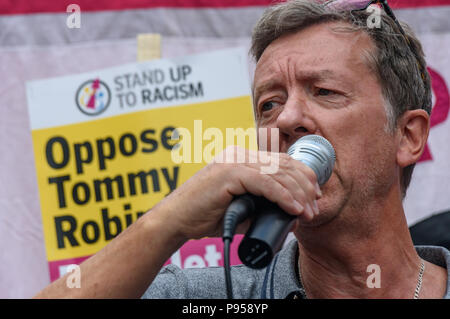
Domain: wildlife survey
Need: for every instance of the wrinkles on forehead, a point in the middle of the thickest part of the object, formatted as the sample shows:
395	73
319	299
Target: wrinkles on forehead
330	52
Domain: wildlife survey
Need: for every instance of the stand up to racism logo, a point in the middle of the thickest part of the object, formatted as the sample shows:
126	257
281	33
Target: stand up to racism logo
93	97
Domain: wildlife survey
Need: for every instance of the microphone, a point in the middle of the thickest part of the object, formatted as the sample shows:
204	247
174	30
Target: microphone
271	225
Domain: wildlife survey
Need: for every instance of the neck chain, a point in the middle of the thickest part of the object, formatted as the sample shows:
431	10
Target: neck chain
416	291
419	279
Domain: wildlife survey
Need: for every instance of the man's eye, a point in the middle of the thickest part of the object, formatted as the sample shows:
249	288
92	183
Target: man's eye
267	106
324	92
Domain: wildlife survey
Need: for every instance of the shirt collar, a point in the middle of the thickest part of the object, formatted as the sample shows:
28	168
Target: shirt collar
283	279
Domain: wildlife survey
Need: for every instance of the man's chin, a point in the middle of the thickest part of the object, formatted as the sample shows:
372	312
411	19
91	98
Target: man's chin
320	220
328	212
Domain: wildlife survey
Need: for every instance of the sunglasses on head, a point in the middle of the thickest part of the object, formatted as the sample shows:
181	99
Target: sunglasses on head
356	5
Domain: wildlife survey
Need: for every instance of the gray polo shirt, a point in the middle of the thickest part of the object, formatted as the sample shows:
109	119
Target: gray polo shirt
278	280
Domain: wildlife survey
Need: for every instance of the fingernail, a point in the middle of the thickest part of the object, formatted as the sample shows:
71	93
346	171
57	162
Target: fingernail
318	191
316	207
298	207
309	211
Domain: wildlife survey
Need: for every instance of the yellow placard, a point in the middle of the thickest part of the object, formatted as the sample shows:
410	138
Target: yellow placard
96	178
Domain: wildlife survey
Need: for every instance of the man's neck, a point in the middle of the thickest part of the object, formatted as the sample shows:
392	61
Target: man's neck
350	264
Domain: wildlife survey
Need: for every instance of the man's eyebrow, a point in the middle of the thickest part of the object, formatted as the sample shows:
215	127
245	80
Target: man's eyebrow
265	86
303	75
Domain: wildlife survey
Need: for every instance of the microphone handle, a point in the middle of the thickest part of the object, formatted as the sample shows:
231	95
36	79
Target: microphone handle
266	235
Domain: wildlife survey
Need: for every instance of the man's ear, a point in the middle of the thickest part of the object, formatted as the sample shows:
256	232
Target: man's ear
413	127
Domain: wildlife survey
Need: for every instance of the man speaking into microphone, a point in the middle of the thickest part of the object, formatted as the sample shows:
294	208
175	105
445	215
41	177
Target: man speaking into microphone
322	69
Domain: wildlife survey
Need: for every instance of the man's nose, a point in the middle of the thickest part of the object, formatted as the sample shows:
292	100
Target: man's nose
294	121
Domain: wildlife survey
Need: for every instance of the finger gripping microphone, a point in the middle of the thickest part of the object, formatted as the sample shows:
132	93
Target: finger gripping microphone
271	224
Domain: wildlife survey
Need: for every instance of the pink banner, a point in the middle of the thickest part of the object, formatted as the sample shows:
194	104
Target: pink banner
206	252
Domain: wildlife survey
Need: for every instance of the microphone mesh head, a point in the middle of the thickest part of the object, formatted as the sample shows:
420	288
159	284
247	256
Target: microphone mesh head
322	141
317	153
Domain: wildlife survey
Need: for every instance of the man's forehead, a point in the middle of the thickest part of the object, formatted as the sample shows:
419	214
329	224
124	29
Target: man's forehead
316	52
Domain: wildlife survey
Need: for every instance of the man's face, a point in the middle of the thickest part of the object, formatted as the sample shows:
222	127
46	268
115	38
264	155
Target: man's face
318	81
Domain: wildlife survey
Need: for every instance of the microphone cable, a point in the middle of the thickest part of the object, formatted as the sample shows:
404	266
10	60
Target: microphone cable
240	208
226	253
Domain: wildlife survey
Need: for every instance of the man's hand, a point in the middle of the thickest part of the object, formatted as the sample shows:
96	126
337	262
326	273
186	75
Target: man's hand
196	208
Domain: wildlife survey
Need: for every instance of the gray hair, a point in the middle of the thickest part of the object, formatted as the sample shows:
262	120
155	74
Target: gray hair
395	64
